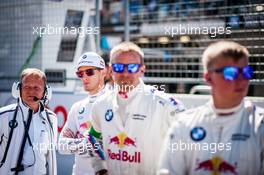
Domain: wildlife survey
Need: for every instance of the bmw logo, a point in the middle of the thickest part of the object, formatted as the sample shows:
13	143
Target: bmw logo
173	101
81	110
109	115
85	56
152	90
197	134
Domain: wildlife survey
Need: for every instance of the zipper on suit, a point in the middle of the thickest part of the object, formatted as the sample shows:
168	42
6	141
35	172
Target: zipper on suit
220	134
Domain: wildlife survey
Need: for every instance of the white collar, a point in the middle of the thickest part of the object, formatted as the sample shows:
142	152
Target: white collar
127	96
130	95
228	111
93	97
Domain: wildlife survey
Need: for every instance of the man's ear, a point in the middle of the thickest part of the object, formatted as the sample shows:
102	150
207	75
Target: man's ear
142	69
104	71
110	70
207	77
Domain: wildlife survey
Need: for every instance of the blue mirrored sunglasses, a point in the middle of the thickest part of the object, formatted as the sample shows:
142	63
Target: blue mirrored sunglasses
120	68
231	73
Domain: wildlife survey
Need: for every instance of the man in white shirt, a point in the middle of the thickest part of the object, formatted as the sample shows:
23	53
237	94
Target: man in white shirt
73	138
226	135
28	131
132	120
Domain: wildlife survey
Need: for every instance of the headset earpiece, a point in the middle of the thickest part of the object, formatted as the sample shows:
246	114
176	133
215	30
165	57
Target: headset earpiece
48	92
16	90
47	95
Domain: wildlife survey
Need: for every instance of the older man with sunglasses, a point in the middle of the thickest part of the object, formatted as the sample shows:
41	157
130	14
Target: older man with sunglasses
133	119
226	135
73	138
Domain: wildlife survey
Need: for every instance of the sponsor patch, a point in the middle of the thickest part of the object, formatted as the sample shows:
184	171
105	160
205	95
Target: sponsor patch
198	134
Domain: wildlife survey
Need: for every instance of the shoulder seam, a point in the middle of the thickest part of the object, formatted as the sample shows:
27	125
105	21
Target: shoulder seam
7	111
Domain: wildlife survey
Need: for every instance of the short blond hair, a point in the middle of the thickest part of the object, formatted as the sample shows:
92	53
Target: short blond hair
223	50
126	47
35	72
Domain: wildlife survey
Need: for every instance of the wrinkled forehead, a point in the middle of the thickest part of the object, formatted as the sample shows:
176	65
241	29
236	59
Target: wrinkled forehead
32	77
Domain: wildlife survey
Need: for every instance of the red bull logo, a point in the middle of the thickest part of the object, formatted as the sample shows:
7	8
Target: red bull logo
216	165
122	140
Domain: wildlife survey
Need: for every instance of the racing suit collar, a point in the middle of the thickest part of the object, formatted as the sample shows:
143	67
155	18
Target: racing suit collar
93	97
139	88
226	112
129	95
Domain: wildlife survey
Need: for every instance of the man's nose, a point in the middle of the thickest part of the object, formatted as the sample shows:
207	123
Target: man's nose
86	79
125	71
241	77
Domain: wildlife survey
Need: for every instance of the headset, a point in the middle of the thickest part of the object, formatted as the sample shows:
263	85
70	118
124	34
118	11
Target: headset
16	92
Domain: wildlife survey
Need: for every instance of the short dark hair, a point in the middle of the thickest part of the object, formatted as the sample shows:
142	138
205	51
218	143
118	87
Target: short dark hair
105	56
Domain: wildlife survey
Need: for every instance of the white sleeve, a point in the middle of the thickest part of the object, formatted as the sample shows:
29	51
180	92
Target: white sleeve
95	131
54	126
55	130
2	137
68	141
71	123
6	114
171	113
261	130
95	117
172	159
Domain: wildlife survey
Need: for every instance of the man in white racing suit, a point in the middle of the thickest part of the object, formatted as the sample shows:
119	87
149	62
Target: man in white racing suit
28	131
73	138
133	119
226	135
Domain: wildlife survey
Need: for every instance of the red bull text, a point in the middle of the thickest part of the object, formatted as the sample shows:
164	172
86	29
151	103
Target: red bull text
124	156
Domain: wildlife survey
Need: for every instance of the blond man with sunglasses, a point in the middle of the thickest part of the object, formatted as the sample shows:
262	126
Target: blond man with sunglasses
133	119
226	135
73	138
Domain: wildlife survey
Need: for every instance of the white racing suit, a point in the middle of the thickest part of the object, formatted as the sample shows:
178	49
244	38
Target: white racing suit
133	147
73	138
42	133
201	142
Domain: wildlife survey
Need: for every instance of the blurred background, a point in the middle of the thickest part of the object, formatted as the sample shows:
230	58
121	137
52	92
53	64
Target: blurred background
35	33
